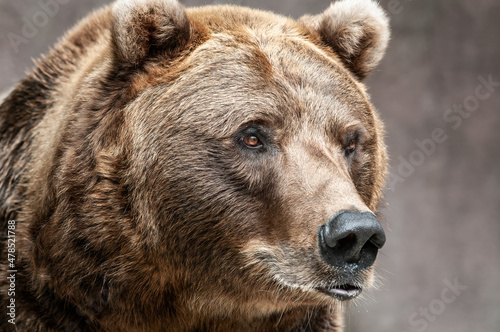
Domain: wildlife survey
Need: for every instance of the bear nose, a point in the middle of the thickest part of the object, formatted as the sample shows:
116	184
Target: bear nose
351	238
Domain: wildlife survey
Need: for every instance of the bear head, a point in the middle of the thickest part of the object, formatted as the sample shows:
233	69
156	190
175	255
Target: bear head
220	162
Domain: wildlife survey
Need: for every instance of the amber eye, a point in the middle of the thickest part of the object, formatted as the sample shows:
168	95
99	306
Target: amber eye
252	141
351	147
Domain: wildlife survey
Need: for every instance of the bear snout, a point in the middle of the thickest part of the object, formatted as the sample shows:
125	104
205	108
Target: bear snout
351	239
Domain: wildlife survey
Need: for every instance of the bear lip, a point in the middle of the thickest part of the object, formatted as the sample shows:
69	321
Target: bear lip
341	292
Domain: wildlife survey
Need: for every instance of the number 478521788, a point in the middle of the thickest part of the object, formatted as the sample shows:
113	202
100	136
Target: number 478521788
11	240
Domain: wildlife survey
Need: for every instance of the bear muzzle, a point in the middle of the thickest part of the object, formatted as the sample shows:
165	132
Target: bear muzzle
349	242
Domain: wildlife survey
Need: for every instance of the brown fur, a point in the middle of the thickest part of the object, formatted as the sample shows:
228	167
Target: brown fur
138	209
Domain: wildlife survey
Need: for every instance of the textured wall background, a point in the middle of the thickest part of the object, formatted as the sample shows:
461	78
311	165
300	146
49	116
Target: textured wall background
441	265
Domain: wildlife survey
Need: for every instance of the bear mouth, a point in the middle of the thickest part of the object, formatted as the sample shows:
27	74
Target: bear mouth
343	292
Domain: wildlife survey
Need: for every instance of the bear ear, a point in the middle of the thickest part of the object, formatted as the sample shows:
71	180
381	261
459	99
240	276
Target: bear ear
144	27
357	30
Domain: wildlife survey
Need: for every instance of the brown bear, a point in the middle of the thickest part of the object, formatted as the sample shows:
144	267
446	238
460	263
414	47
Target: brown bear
207	169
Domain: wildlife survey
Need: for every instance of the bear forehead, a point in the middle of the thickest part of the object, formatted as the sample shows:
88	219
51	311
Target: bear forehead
275	45
270	66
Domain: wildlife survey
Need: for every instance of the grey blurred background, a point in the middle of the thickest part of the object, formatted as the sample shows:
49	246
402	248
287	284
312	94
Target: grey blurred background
440	269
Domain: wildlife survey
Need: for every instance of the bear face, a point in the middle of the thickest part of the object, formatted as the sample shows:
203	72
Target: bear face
211	168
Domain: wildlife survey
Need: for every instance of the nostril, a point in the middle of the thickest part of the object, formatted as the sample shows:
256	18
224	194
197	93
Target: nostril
348	242
350	237
350	248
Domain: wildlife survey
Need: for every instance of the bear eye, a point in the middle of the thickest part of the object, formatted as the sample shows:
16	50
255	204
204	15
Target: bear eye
252	141
350	148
